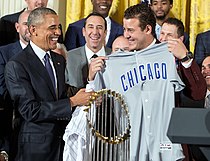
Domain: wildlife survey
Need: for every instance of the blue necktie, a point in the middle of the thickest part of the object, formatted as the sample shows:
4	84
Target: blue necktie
49	69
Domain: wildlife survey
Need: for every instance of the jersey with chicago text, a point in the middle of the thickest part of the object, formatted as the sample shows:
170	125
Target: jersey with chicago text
147	79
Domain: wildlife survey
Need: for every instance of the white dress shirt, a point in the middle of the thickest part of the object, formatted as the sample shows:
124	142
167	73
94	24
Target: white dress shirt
90	53
41	53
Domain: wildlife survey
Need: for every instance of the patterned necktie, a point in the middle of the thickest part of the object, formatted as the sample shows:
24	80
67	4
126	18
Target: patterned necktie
49	69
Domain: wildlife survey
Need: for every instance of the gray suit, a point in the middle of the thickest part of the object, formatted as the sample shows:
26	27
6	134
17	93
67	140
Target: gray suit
77	67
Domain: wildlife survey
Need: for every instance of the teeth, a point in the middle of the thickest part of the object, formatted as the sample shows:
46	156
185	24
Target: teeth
103	7
207	76
55	39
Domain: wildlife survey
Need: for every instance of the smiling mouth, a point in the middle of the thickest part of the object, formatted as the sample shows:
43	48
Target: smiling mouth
207	76
54	39
103	7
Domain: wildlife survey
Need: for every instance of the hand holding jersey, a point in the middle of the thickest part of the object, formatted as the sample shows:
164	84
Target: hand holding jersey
96	64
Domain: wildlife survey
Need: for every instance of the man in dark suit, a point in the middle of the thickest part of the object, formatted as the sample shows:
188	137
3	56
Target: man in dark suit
74	37
35	80
161	9
6	112
78	59
7	23
202	46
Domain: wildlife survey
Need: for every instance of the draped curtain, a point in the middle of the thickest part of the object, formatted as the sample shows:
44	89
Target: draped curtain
195	14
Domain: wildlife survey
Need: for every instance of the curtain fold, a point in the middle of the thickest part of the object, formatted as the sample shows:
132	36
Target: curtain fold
199	19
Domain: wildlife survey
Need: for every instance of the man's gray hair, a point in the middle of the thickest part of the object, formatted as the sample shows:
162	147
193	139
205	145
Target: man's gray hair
36	16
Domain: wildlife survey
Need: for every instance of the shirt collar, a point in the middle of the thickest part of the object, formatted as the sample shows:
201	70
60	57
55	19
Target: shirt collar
153	43
22	44
38	51
108	20
90	53
157	30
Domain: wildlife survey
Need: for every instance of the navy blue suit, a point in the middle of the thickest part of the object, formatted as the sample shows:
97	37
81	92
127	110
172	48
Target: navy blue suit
6	114
7	28
202	46
44	115
74	37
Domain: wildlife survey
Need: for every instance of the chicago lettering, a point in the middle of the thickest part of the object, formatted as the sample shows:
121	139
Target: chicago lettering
142	73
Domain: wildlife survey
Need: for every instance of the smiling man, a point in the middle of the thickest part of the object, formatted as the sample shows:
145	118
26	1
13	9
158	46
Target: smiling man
161	9
74	37
206	74
35	80
94	31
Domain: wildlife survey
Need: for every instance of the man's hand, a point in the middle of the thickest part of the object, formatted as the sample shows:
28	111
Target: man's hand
81	98
177	47
96	64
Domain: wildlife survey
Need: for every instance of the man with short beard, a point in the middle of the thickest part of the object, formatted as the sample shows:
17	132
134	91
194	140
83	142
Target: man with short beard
7	23
161	9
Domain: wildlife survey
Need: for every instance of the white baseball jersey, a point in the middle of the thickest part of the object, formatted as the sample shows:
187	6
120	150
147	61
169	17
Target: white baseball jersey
147	79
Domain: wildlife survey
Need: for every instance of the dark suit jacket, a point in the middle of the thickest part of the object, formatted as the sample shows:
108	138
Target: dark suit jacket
43	115
7	28
77	67
8	31
74	38
6	114
194	81
202	46
186	41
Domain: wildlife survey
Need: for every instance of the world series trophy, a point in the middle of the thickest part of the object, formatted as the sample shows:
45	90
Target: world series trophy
108	127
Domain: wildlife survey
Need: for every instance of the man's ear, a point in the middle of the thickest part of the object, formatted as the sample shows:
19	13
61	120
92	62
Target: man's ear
83	31
32	30
171	6
17	26
148	29
182	38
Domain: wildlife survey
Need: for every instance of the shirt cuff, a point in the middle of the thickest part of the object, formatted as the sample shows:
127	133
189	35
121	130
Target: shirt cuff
91	85
188	64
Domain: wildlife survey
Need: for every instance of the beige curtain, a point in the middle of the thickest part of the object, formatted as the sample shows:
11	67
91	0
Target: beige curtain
195	14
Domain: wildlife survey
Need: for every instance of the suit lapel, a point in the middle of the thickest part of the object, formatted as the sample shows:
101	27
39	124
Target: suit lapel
84	64
38	67
58	69
16	48
112	34
108	51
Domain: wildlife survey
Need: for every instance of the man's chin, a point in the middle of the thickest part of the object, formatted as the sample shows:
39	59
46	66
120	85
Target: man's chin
161	17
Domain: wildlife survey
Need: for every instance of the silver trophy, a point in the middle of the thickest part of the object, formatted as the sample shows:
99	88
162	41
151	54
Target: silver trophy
108	128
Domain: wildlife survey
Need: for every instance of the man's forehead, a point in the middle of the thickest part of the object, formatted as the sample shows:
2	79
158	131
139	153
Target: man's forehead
206	61
169	26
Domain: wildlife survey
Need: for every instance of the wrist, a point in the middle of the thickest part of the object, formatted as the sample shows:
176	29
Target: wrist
187	58
72	102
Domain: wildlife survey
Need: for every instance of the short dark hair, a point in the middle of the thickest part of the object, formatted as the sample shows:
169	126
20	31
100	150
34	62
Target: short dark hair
96	14
178	23
144	14
171	1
